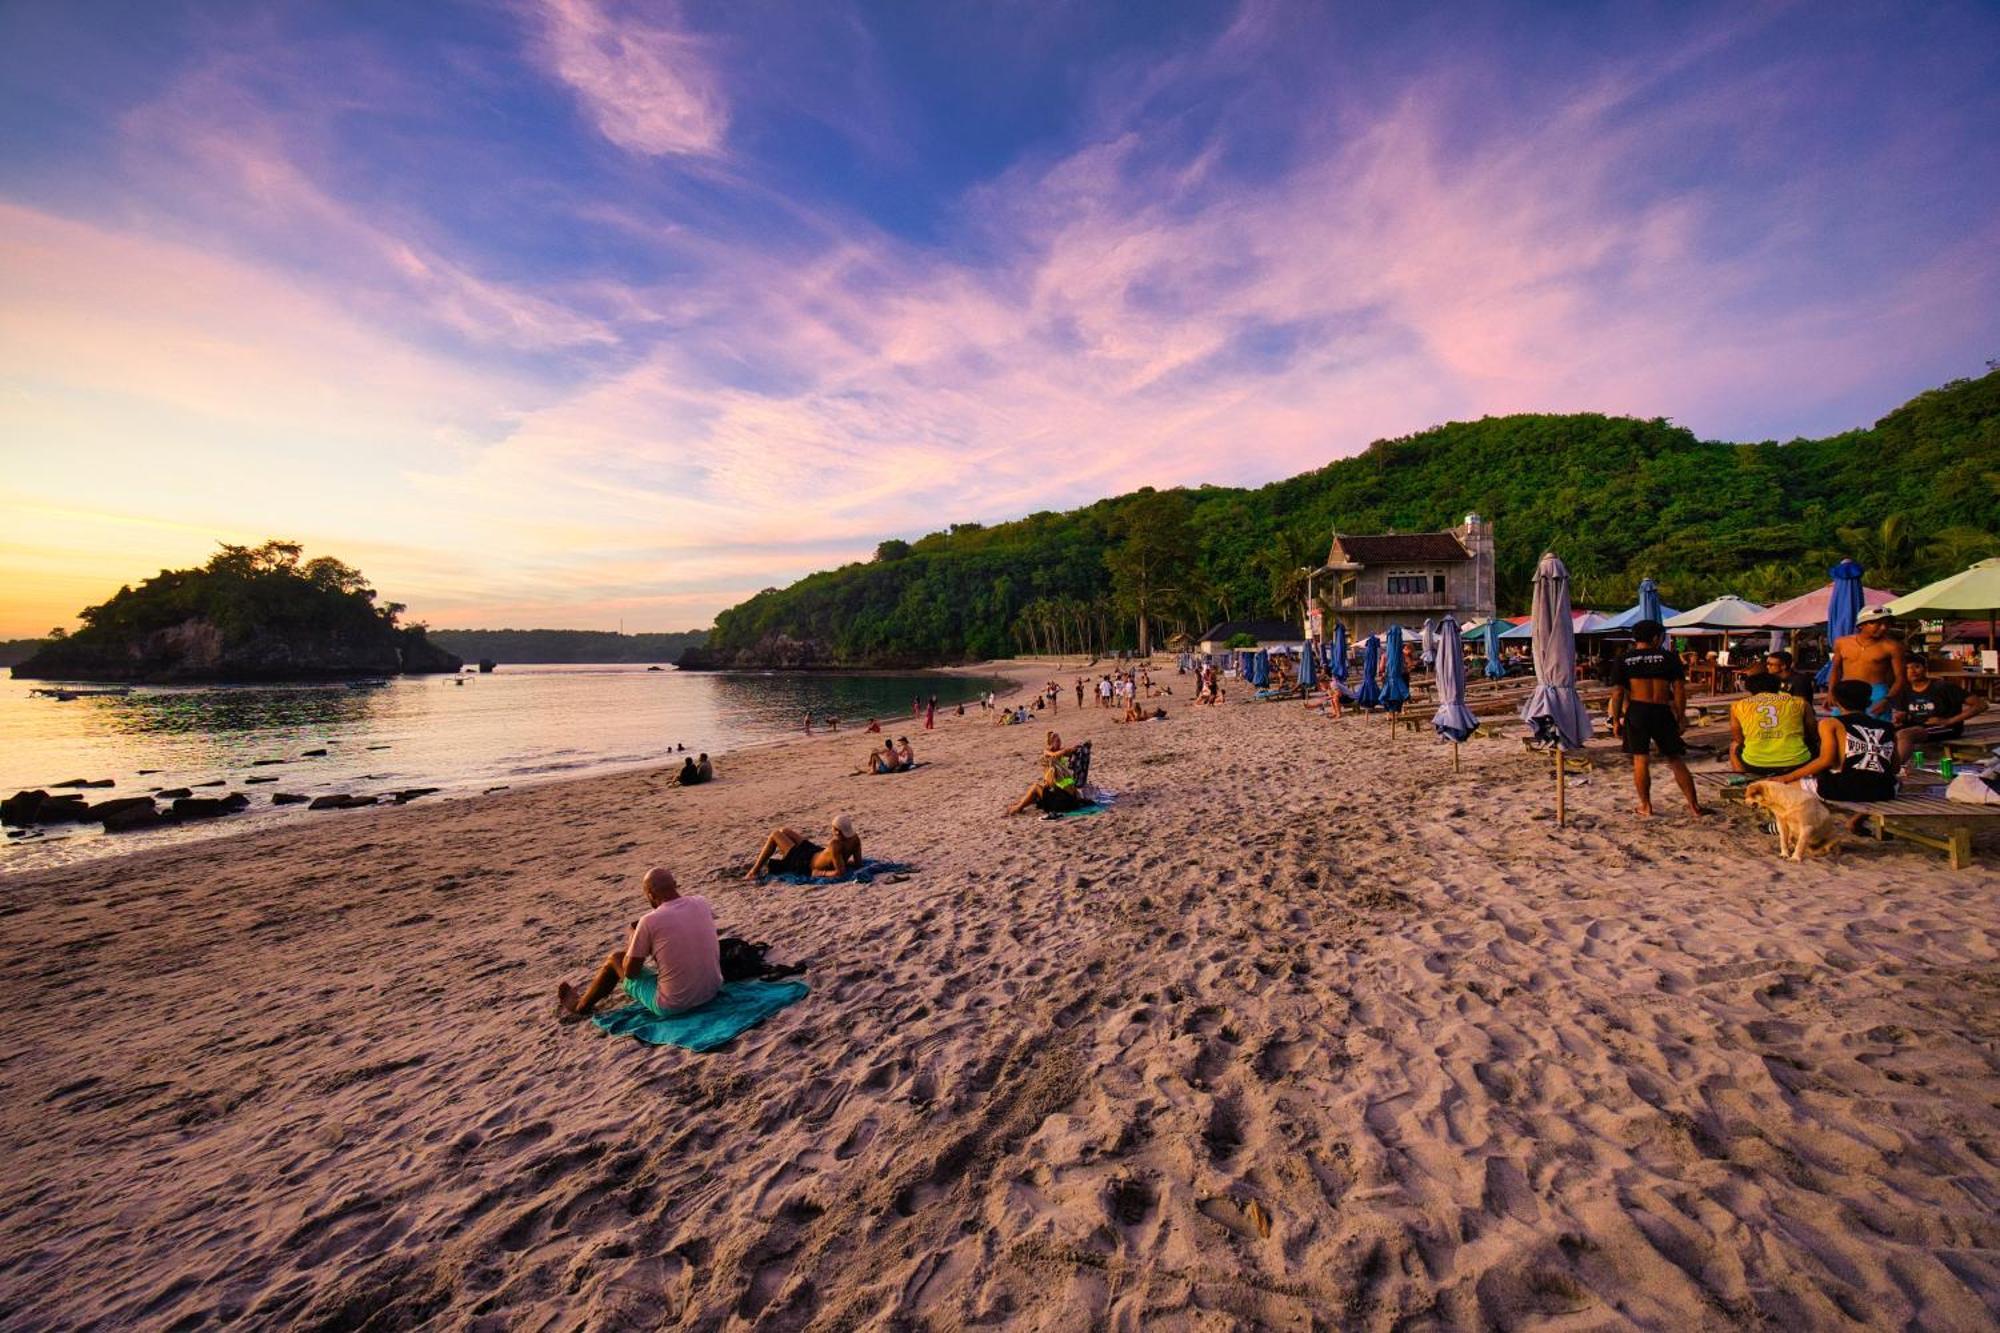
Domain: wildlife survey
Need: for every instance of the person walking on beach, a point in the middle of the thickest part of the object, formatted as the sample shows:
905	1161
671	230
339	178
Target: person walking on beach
1648	700
673	962
1871	656
809	724
1079	691
930	715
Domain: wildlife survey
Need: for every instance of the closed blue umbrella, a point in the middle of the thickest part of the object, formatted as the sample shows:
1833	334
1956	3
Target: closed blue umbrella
1841	609
1453	720
1369	694
1263	667
1308	667
1649	601
1429	651
1395	684
1555	710
1494	669
1337	666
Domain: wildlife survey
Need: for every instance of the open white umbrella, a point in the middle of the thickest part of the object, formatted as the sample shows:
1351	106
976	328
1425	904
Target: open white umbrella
1974	588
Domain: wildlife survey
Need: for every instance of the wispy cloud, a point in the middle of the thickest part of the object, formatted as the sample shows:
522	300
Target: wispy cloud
646	391
645	84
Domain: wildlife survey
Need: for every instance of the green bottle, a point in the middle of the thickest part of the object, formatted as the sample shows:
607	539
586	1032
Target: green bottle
1946	769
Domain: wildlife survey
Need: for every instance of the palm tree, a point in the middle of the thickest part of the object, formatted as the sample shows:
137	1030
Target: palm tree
1888	552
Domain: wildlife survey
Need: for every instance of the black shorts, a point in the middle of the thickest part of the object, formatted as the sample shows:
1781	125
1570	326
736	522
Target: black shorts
799	860
1755	771
1950	733
1648	725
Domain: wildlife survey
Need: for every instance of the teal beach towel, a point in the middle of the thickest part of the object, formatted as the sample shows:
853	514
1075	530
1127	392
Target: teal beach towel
738	1007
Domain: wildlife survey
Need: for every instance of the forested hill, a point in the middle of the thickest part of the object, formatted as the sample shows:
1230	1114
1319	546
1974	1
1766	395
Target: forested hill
1913	497
565	645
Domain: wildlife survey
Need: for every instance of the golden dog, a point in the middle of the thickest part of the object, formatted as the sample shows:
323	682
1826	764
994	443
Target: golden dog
1805	826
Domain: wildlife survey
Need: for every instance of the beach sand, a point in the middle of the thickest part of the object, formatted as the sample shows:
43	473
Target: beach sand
1306	1032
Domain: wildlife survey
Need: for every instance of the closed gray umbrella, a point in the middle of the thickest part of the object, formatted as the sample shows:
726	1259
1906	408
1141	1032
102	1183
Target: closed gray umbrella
1555	710
1453	720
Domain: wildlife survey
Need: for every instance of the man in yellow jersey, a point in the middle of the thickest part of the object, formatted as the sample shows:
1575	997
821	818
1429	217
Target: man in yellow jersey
1768	730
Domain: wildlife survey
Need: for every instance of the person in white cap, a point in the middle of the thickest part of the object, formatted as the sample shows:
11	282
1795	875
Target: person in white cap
1869	655
789	852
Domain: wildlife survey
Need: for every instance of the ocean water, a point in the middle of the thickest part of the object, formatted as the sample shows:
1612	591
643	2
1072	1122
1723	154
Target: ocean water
518	725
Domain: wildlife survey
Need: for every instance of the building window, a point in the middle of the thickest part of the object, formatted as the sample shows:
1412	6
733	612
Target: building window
1437	584
1406	582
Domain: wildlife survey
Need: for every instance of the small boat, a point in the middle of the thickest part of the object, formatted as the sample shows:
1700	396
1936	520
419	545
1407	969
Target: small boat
655	668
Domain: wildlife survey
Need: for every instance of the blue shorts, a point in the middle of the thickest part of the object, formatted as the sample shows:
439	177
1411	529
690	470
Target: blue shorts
1878	697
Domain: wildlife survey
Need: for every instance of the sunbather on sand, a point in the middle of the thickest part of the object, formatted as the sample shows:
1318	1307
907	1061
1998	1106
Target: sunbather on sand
789	852
883	760
906	758
1053	791
677	938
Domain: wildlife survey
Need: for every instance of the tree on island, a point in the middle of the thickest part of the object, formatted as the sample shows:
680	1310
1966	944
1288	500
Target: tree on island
252	612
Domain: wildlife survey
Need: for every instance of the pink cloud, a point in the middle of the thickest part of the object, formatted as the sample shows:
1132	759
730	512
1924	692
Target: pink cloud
646	86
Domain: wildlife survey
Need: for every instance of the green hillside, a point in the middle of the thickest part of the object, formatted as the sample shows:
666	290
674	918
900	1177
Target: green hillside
565	645
1915	496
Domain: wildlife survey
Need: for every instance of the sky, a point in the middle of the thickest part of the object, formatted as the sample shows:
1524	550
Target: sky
578	313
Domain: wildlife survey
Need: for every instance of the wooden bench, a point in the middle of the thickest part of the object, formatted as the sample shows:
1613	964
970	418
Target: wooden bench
1928	821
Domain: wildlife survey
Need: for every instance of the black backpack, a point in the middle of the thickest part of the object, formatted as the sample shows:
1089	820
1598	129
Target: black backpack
744	961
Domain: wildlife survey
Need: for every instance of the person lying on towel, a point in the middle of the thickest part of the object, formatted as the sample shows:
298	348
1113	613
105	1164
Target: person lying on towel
789	852
672	964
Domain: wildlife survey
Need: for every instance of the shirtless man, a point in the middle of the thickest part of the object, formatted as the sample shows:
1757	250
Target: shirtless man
1869	655
1648	700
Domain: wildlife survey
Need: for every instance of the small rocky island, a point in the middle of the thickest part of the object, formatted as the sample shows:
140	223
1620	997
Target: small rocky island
250	614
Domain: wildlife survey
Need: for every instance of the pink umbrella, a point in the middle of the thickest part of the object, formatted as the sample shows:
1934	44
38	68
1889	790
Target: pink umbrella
1809	611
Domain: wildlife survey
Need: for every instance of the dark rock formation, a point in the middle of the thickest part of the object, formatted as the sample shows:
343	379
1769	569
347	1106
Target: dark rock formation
173	793
19	809
412	793
288	798
84	782
341	801
205	807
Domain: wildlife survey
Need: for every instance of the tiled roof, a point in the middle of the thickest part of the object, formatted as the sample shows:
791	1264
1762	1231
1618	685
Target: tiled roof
1395	548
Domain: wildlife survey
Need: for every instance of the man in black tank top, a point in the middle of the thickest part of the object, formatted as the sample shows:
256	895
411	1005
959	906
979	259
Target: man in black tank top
1648	700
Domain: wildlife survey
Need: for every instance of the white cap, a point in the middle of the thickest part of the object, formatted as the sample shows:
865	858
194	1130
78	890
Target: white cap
1869	613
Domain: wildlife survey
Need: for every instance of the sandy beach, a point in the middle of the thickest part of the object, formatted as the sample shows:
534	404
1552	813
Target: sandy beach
1305	1032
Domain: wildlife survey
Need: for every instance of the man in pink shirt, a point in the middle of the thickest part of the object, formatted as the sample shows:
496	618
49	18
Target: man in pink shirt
677	937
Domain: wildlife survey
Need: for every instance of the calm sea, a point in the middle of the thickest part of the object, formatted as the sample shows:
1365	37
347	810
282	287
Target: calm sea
521	724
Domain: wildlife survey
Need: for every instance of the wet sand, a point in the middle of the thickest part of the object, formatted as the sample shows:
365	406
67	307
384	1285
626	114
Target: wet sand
1306	1032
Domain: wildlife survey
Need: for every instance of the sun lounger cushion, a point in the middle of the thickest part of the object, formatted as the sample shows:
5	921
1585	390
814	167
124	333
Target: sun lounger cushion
737	1007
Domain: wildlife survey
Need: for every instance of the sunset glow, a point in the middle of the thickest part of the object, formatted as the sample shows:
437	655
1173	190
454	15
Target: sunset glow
571	313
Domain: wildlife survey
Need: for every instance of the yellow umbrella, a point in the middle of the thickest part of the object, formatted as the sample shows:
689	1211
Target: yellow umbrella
1975	588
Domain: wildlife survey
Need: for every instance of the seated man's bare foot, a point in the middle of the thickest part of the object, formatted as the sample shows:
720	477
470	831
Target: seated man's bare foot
1645	812
569	1003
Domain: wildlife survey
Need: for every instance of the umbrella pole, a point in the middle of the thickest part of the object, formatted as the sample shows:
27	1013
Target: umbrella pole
1560	813
1454	756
